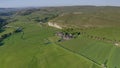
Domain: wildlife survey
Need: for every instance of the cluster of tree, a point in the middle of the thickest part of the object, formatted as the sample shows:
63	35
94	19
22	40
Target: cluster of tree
19	29
45	18
1	30
7	14
3	37
102	38
69	33
2	22
25	12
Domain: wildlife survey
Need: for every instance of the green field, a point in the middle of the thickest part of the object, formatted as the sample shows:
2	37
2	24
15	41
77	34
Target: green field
37	45
30	50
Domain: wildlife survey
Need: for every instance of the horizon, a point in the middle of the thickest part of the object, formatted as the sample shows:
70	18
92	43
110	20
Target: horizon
55	6
56	3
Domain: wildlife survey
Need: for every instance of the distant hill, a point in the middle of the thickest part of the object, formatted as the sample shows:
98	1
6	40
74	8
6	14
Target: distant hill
7	9
89	16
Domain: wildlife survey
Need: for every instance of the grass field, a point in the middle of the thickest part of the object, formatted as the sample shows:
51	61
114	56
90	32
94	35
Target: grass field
29	49
107	32
98	51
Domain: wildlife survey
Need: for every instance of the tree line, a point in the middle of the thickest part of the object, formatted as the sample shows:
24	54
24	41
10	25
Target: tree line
4	36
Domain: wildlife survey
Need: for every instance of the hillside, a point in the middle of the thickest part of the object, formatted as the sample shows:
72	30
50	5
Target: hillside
98	17
34	37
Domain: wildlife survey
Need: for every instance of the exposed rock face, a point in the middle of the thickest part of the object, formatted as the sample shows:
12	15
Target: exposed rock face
54	25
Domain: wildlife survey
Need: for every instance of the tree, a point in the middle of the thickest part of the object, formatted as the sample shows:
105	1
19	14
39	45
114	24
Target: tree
18	30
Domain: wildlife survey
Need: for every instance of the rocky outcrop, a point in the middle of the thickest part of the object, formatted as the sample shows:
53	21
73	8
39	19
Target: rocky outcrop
54	25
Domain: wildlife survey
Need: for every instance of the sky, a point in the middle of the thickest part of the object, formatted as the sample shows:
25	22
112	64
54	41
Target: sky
41	3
